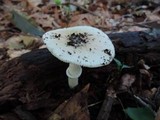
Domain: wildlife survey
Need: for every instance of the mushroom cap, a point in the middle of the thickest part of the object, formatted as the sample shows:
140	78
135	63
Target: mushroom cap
82	45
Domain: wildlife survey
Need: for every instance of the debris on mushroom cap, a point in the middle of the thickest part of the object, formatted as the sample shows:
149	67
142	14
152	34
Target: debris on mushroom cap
82	45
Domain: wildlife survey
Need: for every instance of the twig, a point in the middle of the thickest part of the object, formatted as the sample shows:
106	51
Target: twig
144	104
81	7
6	29
106	108
101	27
146	22
56	24
91	105
107	105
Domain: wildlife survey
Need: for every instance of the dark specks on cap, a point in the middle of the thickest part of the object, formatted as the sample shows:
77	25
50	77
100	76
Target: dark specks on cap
69	53
77	39
57	35
107	52
46	38
78	46
103	64
86	60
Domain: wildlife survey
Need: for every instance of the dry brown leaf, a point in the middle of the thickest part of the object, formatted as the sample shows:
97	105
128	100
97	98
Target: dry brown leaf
149	93
20	42
73	109
127	80
158	115
14	43
83	19
142	65
153	17
16	53
146	75
5	20
34	3
137	28
44	20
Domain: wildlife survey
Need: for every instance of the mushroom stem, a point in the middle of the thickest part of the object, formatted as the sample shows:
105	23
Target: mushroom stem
73	72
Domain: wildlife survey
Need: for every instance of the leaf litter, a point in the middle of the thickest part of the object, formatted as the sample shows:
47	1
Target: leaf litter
19	35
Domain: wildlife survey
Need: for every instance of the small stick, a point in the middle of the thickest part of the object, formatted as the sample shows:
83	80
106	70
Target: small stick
81	7
107	105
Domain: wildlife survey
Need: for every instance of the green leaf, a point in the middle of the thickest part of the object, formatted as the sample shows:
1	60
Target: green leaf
120	65
139	113
58	2
25	25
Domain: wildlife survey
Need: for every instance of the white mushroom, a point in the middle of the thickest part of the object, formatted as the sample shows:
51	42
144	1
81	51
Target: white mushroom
79	46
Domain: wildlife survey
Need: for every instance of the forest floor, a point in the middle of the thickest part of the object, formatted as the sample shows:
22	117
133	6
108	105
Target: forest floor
124	90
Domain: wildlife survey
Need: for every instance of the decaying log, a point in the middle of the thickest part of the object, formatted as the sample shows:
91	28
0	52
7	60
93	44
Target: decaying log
37	80
131	45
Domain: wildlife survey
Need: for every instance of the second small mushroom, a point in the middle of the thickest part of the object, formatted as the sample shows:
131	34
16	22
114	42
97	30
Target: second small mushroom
79	46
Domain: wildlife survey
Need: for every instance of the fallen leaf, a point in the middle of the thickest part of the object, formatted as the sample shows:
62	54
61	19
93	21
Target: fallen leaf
139	113
20	42
147	94
142	65
44	20
137	28
27	40
35	3
14	43
127	80
83	19
158	114
24	24
16	53
73	109
154	16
